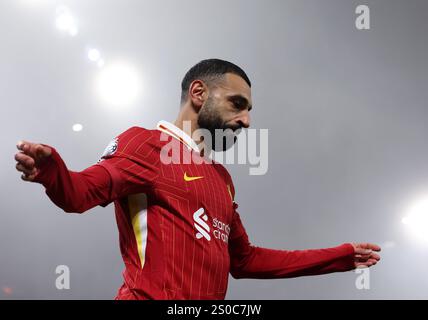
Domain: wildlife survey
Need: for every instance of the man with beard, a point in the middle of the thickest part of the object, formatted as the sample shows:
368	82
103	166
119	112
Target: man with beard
180	231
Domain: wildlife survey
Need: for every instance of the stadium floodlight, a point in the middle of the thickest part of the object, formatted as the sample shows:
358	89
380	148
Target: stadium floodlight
416	219
65	21
77	127
118	84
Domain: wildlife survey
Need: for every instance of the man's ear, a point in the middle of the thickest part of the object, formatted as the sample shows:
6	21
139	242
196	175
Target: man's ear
198	93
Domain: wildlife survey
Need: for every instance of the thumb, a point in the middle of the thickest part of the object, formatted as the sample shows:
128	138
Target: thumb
43	151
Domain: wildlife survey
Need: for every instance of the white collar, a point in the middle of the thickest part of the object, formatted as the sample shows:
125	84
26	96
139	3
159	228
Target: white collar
177	133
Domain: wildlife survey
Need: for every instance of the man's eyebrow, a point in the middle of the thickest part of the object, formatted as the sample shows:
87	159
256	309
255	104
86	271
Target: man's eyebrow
242	100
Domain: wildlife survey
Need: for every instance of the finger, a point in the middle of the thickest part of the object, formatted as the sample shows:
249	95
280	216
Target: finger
370	262
375	256
28	148
360	265
34	150
25	170
42	151
20	144
25	160
28	177
361	259
24	146
363	264
362	251
374	247
363	256
370	246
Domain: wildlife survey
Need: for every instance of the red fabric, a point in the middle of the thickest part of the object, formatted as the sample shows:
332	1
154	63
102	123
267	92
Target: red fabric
177	264
74	191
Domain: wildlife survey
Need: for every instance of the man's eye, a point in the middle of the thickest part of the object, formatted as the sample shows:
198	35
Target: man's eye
237	105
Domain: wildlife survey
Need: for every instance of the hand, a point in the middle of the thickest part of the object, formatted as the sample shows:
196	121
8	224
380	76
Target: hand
365	255
30	157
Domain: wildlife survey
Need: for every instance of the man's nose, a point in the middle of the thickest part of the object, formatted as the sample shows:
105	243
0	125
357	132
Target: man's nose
244	119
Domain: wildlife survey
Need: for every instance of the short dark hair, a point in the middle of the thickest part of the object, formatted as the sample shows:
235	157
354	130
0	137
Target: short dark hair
210	70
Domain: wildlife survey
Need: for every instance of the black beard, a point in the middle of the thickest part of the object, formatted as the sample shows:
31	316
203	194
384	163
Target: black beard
223	136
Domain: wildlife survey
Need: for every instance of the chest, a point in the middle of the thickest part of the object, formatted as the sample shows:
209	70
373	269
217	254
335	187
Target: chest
189	189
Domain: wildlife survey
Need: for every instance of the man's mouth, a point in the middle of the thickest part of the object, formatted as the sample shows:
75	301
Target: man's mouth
235	129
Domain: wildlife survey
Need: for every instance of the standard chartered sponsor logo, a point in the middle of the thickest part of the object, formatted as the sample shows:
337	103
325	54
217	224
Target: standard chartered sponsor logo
203	228
220	229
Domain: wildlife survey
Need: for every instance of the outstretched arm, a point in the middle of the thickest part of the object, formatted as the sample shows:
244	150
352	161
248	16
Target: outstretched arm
71	191
128	166
248	261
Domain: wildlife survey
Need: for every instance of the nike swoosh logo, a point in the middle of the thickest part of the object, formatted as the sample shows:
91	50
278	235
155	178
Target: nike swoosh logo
187	178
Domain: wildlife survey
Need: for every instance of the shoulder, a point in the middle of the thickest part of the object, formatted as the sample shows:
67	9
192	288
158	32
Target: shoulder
137	134
132	142
221	169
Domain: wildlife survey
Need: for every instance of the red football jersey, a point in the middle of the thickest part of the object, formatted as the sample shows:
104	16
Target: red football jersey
180	233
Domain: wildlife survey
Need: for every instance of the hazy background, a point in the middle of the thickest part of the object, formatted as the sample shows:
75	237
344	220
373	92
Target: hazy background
346	111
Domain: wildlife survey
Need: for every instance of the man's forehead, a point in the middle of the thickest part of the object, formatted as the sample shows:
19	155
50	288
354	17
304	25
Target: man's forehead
237	86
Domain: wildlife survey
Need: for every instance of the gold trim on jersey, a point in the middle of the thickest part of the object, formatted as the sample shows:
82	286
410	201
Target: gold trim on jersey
178	134
137	204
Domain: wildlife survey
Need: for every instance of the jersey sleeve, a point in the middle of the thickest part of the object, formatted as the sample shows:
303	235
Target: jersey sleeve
249	261
74	191
132	160
128	166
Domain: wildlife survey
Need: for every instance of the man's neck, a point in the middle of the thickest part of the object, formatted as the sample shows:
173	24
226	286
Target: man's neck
187	121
